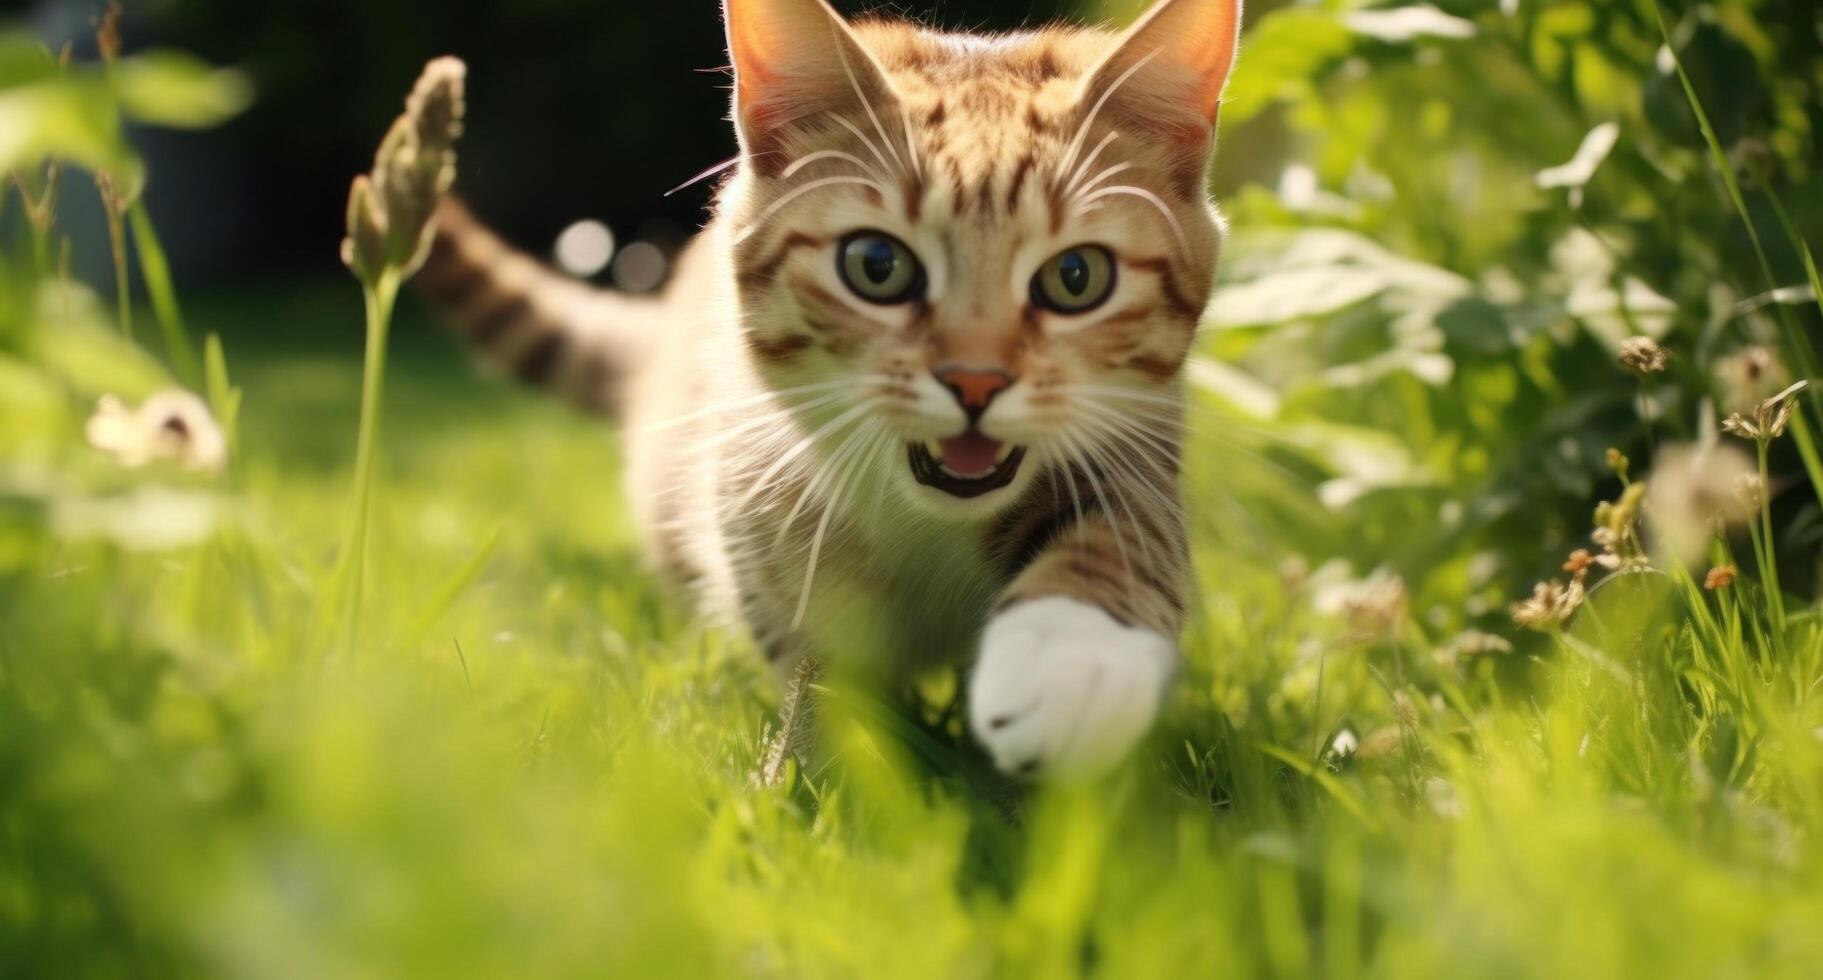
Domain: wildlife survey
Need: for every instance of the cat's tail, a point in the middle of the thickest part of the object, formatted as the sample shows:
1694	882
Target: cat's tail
531	322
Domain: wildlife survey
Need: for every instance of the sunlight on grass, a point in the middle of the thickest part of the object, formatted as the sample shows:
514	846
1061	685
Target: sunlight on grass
536	762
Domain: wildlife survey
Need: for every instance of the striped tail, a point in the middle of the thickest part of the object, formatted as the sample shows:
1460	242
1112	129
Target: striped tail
531	322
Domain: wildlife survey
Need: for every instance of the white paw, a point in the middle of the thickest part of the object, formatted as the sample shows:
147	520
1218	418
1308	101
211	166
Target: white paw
1063	691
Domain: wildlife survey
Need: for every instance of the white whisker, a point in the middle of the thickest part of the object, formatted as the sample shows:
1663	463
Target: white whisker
824	473
785	459
736	404
809	158
855	84
1082	133
911	145
1088	471
1094	155
1109	459
1107	174
852	468
798	192
1128	190
865	139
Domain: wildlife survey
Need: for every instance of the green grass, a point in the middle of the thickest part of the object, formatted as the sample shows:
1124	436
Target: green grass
534	761
537	763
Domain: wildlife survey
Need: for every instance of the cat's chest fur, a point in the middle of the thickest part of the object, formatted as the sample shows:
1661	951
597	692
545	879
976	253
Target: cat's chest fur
886	585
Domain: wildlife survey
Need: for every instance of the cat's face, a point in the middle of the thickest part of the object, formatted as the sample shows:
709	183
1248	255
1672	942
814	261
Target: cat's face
974	257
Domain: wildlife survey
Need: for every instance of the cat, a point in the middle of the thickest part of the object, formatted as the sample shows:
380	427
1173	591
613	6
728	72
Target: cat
917	386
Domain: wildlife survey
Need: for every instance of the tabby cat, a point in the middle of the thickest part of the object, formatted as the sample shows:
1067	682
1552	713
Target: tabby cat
917	385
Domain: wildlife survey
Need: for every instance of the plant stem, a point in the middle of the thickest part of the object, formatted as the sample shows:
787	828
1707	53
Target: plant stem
1770	558
155	273
117	247
379	297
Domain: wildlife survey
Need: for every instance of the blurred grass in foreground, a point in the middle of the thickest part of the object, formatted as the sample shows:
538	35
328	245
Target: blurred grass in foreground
535	764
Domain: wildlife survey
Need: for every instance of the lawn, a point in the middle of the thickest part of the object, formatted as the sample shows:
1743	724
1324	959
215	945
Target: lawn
535	763
516	754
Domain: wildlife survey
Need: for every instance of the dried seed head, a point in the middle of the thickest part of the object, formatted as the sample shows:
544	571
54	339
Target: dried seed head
1376	607
1405	709
1551	605
1381	743
1472	643
107	32
414	168
1721	577
1579	562
1617	530
1770	417
364	250
1643	356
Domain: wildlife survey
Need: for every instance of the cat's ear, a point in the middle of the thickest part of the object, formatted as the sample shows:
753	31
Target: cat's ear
794	59
1167	72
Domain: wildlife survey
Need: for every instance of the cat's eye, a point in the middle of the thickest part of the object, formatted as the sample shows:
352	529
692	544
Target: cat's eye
1076	280
879	268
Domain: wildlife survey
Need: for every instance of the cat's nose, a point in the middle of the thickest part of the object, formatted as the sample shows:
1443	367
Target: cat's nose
974	388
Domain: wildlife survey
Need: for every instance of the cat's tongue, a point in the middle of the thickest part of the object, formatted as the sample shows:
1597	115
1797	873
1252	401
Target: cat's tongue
970	454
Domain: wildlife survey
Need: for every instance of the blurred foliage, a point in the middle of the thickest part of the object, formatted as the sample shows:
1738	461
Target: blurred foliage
536	764
1479	205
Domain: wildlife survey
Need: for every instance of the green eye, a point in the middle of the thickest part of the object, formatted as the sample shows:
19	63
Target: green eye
1075	281
879	268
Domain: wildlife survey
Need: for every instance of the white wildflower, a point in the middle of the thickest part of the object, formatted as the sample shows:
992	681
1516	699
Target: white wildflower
173	426
1749	376
1695	491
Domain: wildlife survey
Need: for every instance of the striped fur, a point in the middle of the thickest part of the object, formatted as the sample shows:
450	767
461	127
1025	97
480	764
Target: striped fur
530	322
774	418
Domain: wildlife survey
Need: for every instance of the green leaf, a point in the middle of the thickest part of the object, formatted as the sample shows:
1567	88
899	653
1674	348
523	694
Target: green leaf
1280	55
224	398
67	117
170	88
156	271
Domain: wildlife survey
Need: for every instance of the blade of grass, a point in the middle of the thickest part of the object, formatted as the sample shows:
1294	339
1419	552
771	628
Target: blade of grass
1794	337
155	269
1806	354
452	589
224	398
351	565
1343	796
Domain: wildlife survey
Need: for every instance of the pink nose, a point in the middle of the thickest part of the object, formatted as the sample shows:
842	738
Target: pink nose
974	388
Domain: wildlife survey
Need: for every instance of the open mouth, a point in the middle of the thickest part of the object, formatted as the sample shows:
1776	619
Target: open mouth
967	465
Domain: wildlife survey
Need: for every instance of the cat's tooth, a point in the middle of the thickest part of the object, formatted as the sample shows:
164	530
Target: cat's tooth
934	447
1006	449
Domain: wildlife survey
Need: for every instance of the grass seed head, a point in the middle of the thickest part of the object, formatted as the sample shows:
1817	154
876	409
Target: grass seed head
390	209
1381	743
1643	356
1471	643
1769	418
1617	531
1550	606
1376	607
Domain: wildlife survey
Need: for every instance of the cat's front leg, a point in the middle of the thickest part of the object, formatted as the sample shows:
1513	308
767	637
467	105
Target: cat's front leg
1074	664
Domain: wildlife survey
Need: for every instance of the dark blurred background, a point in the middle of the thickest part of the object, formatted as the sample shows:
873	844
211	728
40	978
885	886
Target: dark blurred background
577	111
